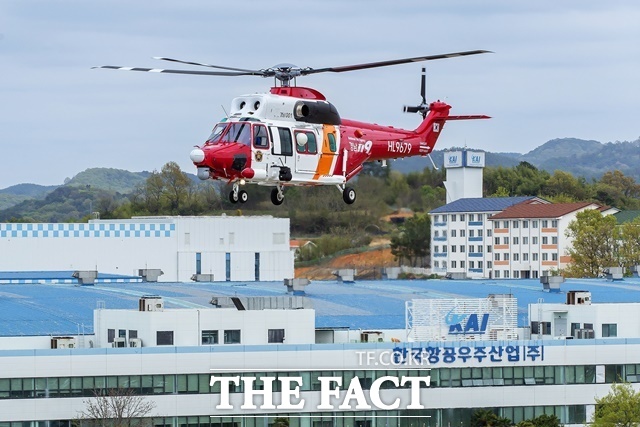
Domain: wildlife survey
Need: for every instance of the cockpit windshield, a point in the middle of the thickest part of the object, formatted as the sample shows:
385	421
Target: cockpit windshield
231	132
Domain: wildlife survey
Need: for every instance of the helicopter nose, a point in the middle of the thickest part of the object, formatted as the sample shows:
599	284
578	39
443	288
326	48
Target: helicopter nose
196	155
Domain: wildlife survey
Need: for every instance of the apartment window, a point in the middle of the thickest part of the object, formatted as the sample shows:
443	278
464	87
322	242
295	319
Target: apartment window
436	264
496	224
516	274
609	330
489	233
496	256
461	248
461	264
111	335
515	224
554	240
276	335
545	257
454	264
232	336
534	240
453	217
444	249
496	274
505	224
545	240
479	233
545	223
525	257
453	248
471	247
480	248
506	258
164	338
209	337
554	223
471	233
543	328
489	249
525	240
534	224
453	233
436	218
444	264
436	249
506	274
444	233
436	233
516	257
496	241
516	240
489	264
534	256
554	257
463	233
471	264
133	333
525	224
461	217
505	240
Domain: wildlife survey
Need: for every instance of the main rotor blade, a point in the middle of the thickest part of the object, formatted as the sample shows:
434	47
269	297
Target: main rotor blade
306	71
200	64
204	73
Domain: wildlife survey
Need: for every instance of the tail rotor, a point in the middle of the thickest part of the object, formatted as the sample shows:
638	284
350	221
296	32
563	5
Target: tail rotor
423	108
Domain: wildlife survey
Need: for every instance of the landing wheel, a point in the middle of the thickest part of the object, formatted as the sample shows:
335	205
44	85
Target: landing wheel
233	197
243	196
277	197
349	195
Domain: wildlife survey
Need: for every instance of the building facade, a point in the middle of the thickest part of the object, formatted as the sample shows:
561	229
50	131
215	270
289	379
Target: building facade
228	248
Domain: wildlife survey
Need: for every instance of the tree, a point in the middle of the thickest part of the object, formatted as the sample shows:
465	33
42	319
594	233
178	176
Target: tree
177	186
619	408
630	243
488	418
119	407
413	241
594	244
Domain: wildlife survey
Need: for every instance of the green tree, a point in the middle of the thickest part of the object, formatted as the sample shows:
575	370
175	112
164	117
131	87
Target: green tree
488	418
630	243
413	240
619	408
594	244
177	187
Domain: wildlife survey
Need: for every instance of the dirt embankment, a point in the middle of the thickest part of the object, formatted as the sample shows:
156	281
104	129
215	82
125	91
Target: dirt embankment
368	265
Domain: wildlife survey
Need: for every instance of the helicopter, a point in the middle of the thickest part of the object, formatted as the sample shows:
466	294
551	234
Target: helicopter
293	136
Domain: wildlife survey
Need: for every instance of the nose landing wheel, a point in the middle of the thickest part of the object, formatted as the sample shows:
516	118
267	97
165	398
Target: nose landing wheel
238	195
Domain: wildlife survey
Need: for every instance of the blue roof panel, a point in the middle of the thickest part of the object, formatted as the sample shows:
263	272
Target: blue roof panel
481	204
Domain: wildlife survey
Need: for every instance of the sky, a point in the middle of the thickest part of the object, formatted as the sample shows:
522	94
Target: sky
559	69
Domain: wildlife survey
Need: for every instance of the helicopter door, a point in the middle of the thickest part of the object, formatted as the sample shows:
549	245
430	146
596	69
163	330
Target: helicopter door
261	147
306	151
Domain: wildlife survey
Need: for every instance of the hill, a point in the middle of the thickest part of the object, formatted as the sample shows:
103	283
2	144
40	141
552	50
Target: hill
116	180
15	194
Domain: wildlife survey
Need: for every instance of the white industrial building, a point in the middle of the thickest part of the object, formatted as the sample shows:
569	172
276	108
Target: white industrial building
223	248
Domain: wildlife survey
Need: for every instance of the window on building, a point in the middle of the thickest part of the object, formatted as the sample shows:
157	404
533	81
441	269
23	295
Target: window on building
506	257
545	223
534	224
489	248
232	336
454	264
554	256
463	233
479	233
515	224
525	240
554	223
164	337
461	217
453	248
525	257
436	249
554	240
453	217
525	224
461	248
436	233
505	224
471	233
534	240
574	327
471	217
543	328
444	233
453	233
436	264
516	257
122	333
609	330
133	333
276	335
534	256
472	264
496	256
480	248
496	241
516	274
436	218
489	233
545	257
496	274
505	240
545	240
444	249
471	248
462	264
209	337
444	264
516	240
496	224
506	274
489	264
111	335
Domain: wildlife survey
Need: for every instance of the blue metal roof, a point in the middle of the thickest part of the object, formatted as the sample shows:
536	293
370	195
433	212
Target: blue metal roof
56	309
481	204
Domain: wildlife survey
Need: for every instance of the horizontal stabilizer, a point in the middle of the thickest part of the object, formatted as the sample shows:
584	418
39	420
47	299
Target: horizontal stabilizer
471	117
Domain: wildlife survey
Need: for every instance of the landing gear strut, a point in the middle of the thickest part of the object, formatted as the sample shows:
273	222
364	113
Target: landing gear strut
238	195
277	195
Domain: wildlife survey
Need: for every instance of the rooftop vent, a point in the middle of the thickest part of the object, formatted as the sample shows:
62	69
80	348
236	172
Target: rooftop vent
151	303
578	298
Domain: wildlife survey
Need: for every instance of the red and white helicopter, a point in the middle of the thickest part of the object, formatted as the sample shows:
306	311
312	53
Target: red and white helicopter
294	136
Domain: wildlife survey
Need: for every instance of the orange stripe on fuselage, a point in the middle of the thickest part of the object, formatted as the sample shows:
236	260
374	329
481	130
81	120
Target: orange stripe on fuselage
327	156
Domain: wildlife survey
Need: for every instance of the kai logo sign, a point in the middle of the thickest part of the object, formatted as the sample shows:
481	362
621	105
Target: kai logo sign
475	159
453	159
467	324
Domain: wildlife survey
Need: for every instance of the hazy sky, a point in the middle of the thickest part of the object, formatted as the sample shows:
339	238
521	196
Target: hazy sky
560	69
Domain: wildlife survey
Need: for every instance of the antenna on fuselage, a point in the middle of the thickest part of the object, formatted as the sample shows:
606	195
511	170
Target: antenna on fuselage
225	111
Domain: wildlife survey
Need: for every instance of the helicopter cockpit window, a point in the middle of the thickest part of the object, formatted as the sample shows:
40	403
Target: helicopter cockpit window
217	132
239	132
260	137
